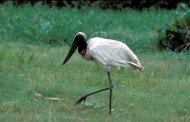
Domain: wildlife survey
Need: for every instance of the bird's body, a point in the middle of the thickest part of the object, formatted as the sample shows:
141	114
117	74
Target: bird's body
108	52
111	53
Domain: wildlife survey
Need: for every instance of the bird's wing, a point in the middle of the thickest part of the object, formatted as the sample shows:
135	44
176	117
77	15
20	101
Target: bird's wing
114	54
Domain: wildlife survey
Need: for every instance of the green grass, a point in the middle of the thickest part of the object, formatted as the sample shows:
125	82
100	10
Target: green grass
29	65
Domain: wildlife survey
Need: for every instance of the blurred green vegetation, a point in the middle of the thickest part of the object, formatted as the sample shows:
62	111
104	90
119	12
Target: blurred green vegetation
44	25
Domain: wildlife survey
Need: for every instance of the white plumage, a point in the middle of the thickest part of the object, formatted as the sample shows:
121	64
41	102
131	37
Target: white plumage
108	52
111	53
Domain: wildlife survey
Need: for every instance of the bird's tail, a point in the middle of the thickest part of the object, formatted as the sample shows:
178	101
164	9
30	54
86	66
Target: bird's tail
136	65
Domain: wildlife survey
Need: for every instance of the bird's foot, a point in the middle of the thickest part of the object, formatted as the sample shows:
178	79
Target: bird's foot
82	99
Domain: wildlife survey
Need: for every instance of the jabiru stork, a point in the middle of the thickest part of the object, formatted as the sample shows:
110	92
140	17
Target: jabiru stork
108	52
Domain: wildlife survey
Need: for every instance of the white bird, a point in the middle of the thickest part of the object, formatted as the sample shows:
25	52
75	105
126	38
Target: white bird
109	53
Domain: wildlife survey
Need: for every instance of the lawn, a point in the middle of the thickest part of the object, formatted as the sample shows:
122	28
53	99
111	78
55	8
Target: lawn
34	86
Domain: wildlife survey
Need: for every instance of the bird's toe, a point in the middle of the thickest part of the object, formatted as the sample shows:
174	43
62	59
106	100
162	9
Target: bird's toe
82	99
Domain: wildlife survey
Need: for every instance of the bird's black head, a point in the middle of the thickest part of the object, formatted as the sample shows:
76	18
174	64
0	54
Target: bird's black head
80	42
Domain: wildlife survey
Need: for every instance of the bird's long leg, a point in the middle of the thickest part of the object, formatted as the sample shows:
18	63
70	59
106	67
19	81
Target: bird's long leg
110	88
83	98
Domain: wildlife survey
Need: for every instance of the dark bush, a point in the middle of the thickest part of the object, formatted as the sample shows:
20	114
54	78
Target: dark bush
177	34
106	4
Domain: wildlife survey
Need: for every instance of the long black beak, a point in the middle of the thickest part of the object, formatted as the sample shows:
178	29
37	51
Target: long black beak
71	51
